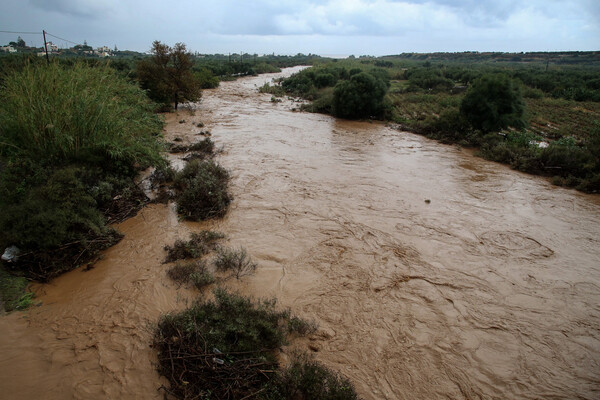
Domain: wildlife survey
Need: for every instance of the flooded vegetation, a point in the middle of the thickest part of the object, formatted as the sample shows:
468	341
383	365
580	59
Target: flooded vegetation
429	272
534	118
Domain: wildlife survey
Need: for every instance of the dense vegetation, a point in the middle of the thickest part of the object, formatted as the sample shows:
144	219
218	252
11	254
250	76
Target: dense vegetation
539	116
71	141
207	70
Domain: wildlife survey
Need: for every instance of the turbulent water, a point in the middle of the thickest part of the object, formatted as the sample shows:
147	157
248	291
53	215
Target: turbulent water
431	273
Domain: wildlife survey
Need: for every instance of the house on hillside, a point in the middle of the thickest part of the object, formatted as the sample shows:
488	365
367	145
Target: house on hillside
8	49
52	48
103	51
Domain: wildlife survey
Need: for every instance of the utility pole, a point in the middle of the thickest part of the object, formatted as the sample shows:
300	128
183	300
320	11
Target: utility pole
46	47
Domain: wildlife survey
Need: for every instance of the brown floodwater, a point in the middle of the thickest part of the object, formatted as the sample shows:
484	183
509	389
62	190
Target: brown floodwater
432	273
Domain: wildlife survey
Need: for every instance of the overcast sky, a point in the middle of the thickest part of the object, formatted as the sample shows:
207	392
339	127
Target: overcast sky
336	27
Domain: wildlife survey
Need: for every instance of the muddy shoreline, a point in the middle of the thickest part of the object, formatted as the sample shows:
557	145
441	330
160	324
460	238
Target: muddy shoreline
490	290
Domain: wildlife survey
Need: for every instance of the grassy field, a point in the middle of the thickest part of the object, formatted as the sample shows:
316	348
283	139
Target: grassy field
547	117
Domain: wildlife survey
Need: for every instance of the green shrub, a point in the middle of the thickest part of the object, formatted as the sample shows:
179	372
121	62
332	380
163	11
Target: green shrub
567	159
360	97
163	174
46	215
202	190
264	68
301	326
206	79
323	103
493	103
533	93
451	126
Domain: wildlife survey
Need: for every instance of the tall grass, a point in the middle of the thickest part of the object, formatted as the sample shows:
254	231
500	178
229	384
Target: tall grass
54	114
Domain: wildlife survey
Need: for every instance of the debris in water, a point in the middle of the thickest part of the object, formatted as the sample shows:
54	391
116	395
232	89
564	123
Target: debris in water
11	254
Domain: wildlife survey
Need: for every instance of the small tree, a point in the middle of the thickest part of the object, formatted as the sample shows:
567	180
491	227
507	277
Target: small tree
361	96
168	76
493	103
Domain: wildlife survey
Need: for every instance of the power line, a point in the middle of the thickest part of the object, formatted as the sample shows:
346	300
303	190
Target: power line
54	36
39	33
23	33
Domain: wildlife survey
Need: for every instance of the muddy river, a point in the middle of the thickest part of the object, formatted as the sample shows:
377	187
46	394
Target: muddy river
432	274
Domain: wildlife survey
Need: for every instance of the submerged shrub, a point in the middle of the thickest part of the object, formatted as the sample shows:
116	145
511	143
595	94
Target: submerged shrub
181	272
235	261
202	278
199	244
307	379
226	344
202	190
225	349
205	146
195	273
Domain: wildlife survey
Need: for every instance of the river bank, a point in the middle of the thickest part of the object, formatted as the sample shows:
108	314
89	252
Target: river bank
489	290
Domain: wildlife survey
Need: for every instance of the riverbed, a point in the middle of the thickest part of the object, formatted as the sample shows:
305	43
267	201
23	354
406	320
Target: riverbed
431	273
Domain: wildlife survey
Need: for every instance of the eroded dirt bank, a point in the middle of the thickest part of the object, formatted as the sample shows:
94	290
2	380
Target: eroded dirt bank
490	290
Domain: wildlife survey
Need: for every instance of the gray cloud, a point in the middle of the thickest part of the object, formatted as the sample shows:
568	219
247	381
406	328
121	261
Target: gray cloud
332	26
77	8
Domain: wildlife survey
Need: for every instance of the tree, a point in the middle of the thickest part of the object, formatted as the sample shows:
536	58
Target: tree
168	76
361	96
493	102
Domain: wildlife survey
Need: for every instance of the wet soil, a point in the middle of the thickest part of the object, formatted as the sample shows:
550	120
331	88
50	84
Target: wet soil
431	273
